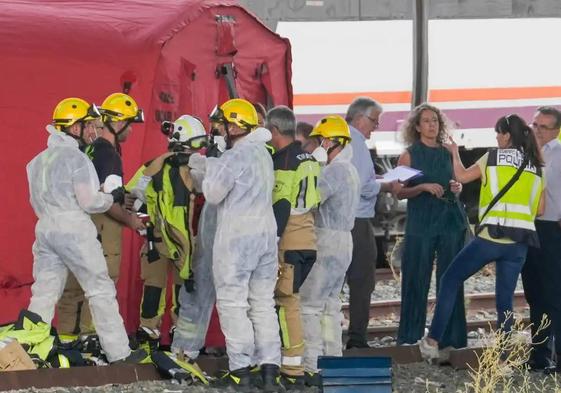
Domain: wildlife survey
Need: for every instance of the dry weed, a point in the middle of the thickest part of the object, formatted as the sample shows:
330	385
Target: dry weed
502	365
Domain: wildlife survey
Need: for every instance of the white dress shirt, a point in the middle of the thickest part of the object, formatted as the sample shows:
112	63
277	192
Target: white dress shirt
551	153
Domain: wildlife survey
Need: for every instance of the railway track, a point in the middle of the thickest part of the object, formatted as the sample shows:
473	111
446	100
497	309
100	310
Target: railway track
391	330
477	302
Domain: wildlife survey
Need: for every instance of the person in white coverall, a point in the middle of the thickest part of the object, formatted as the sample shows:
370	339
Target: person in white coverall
64	190
196	306
339	188
245	266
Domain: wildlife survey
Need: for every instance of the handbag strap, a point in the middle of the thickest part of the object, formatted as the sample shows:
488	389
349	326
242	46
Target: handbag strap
506	187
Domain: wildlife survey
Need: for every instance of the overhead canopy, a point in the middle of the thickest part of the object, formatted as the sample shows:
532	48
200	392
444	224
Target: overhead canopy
172	57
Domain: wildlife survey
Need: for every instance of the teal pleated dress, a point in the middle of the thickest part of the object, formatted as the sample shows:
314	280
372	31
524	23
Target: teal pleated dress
435	232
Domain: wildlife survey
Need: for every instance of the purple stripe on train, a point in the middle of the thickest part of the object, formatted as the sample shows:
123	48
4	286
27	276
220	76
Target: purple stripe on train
462	118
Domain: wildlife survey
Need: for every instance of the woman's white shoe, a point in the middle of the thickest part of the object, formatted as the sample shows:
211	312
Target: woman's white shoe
428	352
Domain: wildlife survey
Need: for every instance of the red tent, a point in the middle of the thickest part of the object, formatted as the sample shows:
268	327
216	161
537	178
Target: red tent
173	57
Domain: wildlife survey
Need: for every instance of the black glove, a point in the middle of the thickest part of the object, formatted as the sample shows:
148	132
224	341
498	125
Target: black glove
118	195
178	159
189	284
213	151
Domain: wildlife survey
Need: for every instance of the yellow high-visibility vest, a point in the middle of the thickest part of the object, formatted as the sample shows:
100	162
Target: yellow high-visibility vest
514	214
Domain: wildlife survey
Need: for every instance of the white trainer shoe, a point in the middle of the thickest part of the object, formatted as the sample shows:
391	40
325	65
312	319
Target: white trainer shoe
428	352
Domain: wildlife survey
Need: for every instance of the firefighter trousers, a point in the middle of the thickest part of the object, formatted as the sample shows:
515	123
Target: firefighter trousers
294	267
154	274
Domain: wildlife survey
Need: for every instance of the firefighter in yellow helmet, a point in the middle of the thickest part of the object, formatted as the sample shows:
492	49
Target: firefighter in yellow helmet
240	183
339	188
71	111
64	191
119	111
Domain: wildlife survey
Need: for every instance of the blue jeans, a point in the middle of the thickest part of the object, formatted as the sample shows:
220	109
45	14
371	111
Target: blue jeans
479	252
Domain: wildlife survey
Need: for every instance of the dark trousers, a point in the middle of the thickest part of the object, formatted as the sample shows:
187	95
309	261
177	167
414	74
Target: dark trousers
416	271
479	252
361	280
541	277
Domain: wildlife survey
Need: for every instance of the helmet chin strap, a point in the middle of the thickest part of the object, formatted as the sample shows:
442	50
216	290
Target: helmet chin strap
117	133
231	138
335	146
80	139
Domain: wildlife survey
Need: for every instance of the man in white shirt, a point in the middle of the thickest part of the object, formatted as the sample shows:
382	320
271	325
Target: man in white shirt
542	269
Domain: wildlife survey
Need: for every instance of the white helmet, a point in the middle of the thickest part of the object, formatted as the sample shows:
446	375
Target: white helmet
186	131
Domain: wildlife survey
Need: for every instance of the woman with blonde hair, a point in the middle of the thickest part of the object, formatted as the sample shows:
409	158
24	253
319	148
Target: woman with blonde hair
435	228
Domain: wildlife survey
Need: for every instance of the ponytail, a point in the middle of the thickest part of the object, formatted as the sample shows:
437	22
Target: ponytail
522	138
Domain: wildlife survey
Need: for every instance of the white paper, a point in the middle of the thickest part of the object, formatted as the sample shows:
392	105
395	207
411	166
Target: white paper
400	173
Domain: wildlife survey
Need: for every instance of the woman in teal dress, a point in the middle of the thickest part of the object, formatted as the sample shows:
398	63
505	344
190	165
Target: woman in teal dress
436	225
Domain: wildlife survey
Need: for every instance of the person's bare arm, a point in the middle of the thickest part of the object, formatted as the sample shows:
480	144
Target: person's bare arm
411	192
462	174
131	220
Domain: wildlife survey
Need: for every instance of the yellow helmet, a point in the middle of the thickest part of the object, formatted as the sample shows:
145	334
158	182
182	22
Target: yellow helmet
71	110
120	106
240	112
332	126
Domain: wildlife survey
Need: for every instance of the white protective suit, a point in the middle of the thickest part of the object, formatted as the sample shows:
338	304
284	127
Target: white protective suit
64	190
245	266
339	188
195	308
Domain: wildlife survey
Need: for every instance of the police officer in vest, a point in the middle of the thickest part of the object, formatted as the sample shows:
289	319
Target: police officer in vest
542	270
511	197
295	198
119	112
168	189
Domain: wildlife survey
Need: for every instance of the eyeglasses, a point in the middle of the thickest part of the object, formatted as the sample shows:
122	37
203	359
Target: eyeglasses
374	121
542	127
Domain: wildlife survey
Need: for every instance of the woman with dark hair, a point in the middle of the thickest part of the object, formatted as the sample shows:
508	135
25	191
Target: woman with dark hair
511	197
303	130
261	113
435	225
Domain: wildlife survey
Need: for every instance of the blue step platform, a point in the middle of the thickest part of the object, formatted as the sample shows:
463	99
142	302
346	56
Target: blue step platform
355	374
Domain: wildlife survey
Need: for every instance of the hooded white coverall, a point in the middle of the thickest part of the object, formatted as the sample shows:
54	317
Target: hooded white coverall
196	307
64	190
339	187
245	263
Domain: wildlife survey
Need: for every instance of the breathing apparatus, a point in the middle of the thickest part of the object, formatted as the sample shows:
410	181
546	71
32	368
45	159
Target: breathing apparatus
185	135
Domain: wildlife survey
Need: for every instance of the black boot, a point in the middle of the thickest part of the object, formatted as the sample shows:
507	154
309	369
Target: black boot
293	382
312	379
270	374
239	379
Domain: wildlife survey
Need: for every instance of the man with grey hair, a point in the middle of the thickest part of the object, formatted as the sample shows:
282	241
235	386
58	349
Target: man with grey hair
363	117
541	272
295	197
